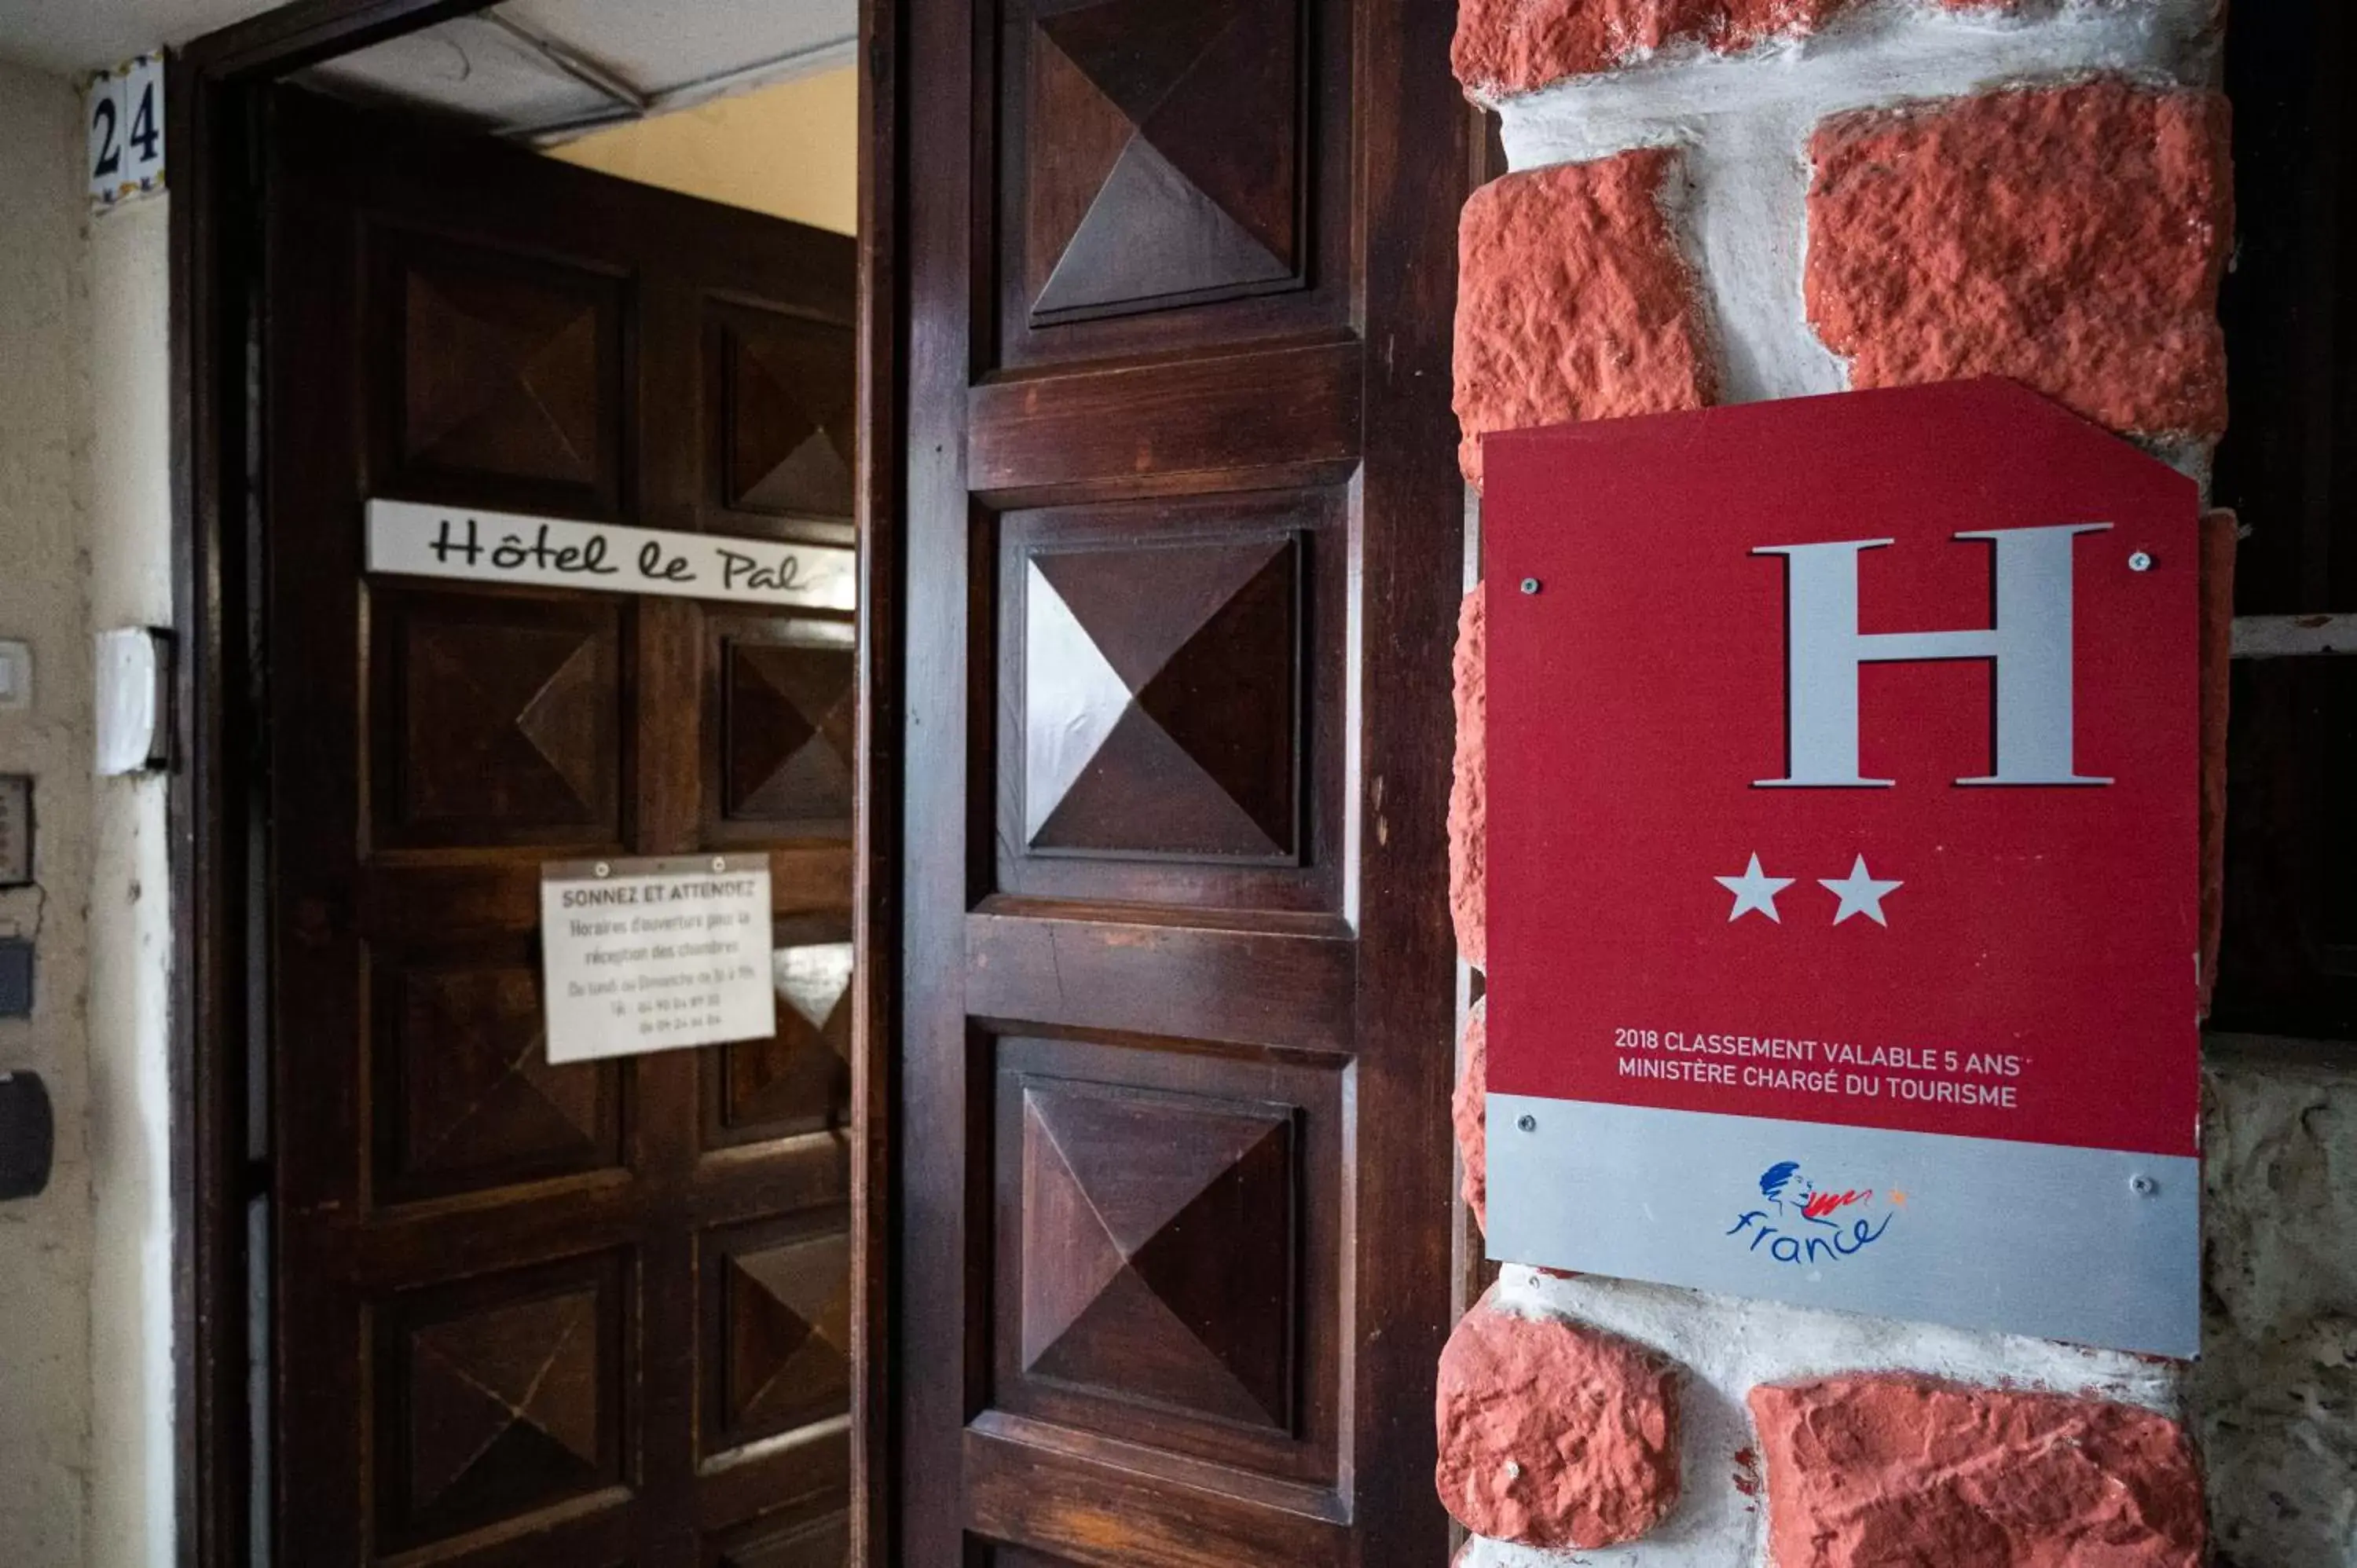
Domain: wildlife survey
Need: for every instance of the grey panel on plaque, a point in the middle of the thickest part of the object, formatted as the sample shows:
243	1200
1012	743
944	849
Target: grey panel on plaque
2096	1246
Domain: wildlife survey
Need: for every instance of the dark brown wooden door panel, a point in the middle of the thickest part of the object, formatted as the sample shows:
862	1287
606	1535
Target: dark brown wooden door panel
780	715
797	1083
527	1313
776	1303
500	1397
464	1097
1289	987
1168	1245
497	718
782	391
1185	551
1165	172
1274	412
1171	697
503	374
1094	1512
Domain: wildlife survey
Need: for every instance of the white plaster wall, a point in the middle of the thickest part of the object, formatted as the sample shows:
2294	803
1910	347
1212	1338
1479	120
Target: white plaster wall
2275	1401
127	555
45	1243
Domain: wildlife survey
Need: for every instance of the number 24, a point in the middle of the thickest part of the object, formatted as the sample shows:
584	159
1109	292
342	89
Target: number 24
144	133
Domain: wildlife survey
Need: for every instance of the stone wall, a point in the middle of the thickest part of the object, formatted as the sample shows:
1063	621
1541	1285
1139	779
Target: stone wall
1720	200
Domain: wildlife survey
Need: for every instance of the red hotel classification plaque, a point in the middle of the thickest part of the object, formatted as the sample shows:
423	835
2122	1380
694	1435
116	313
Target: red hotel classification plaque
1842	860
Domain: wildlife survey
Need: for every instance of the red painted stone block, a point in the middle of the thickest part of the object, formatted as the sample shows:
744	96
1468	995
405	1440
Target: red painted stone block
1469	799
1554	1434
2072	238
1874	1470
1467	1109
1573	301
1512	45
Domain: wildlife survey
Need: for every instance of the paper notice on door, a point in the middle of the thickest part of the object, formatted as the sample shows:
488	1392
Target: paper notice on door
648	955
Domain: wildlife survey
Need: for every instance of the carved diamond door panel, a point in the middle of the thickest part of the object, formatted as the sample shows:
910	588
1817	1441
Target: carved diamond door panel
1168	1252
796	1083
499	1398
1169	134
1161	159
528	1314
784	427
465	1097
503	376
1162	1276
1170	709
1184	557
1168	727
777	1311
497	717
784	723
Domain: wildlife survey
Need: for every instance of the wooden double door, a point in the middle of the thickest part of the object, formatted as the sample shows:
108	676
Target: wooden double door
1176	569
595	1314
1184	556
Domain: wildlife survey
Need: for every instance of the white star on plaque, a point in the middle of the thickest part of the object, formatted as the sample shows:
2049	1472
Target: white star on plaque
1859	893
1754	890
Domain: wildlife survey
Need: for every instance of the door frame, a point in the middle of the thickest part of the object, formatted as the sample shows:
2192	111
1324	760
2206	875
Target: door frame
215	90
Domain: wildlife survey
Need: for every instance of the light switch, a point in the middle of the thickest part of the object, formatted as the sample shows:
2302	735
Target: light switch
15	676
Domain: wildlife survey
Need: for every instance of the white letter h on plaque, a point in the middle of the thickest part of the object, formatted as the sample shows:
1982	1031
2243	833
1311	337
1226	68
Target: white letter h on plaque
2030	646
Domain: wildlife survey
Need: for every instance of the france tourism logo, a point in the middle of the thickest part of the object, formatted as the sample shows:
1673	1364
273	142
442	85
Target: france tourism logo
1804	1223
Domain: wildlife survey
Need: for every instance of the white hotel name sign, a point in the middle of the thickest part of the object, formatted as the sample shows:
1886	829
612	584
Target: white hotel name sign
410	539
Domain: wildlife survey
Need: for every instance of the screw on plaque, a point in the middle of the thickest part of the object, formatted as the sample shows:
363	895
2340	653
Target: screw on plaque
2140	562
1530	584
1527	1122
719	863
2143	1186
604	869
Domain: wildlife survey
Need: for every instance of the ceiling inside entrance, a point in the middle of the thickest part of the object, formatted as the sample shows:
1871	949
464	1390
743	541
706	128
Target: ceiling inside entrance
524	66
544	67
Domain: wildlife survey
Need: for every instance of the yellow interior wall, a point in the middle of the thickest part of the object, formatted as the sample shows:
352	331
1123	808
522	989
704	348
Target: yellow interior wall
791	150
